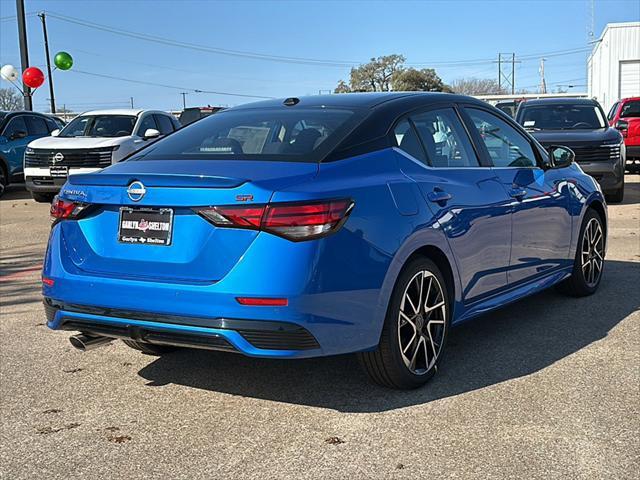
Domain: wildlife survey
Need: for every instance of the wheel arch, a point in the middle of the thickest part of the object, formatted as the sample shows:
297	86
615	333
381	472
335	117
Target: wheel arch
437	256
432	244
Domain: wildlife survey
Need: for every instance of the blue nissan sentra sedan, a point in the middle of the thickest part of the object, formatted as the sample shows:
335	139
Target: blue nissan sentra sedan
313	226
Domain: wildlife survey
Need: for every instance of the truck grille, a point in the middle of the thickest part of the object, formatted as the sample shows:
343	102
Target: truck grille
93	158
598	153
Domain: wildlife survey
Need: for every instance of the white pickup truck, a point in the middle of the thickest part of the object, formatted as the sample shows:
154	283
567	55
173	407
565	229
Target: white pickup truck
91	141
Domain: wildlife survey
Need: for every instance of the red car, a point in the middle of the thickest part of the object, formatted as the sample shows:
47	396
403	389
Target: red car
625	116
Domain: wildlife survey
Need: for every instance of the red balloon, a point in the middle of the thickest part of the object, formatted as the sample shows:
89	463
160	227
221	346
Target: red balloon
33	77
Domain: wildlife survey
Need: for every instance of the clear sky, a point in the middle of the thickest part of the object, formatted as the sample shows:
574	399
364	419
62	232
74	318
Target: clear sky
457	38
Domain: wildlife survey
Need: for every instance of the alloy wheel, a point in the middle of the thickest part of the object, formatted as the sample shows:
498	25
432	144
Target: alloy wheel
422	322
592	257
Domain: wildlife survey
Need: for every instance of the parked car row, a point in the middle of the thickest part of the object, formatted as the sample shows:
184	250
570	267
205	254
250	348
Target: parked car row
41	151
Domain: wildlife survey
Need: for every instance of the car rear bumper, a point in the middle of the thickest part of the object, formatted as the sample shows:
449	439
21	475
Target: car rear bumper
323	316
250	337
609	174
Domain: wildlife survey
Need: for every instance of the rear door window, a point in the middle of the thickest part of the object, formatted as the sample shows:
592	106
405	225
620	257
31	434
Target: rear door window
445	139
408	141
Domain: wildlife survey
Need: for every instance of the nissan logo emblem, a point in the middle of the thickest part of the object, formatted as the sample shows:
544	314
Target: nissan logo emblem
58	157
136	191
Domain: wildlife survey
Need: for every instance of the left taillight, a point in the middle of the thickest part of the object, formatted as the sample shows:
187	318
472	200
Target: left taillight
294	221
66	210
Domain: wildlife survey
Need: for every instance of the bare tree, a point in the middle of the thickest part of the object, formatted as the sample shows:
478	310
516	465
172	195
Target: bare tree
477	86
10	100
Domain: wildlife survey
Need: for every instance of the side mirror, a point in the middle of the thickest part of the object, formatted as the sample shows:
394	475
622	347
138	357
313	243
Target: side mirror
55	133
561	157
3	140
18	134
151	133
623	127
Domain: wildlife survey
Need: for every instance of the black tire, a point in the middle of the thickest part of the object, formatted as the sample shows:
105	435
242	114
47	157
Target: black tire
617	196
149	348
385	365
43	197
577	285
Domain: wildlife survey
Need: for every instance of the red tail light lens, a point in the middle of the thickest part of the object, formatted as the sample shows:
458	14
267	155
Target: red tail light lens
64	209
294	221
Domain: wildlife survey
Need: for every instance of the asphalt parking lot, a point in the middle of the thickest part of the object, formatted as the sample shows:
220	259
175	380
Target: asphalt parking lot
546	388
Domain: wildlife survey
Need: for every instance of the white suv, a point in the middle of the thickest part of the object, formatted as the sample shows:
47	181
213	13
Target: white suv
91	141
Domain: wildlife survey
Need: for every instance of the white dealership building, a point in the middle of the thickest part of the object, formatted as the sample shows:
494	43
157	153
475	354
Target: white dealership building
613	67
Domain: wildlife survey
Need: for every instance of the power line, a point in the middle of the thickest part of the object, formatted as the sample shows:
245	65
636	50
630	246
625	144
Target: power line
289	59
174	87
204	48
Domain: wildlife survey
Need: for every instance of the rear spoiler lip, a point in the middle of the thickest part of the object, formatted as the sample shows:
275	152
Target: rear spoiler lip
165	180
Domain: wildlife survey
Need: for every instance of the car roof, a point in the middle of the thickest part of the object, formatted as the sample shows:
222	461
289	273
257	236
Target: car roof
355	100
116	111
559	101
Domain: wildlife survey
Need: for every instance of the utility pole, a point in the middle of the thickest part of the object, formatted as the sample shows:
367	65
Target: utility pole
24	51
46	51
513	73
543	82
184	99
131	98
506	80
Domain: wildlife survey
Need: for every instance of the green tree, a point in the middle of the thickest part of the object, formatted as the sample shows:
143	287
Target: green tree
375	76
424	80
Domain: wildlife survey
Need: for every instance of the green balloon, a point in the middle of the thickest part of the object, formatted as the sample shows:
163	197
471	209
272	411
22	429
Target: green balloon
63	60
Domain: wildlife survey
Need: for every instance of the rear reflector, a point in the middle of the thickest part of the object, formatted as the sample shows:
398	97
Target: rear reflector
263	302
48	281
294	221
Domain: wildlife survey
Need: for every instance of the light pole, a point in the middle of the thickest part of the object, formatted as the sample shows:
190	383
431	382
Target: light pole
24	51
46	51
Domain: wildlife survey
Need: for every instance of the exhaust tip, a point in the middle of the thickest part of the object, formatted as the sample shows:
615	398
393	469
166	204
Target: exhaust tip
84	342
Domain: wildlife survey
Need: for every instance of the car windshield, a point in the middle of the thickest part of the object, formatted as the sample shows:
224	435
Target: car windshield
631	109
304	135
99	126
562	117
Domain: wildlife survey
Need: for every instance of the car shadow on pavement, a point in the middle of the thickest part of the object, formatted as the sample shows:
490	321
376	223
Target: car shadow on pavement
15	192
512	342
631	189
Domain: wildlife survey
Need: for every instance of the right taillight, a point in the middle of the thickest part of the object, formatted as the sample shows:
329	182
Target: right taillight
294	221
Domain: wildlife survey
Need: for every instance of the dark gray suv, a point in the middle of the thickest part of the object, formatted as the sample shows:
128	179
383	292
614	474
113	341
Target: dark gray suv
580	124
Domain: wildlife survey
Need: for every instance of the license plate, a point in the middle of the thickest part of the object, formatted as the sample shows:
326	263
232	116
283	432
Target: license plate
59	172
145	226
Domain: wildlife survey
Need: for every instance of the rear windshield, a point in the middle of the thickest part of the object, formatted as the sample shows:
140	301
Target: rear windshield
302	135
631	109
562	117
99	126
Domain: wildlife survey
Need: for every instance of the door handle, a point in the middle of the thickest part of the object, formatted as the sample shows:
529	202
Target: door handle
438	196
518	192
